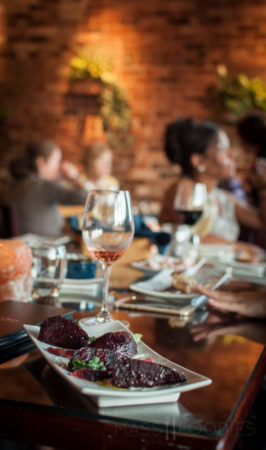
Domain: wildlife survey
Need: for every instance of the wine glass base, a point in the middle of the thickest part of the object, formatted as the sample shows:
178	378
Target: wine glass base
95	320
98	320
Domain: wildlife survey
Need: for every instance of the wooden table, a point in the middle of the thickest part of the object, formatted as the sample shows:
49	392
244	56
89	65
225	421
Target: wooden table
37	406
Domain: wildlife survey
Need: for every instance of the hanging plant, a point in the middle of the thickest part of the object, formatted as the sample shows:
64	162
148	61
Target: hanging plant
240	95
114	110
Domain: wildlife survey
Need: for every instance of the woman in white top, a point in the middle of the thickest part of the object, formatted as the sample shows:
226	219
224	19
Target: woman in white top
97	162
203	153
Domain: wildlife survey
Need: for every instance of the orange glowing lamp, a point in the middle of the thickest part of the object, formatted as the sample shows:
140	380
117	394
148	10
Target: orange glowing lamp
15	270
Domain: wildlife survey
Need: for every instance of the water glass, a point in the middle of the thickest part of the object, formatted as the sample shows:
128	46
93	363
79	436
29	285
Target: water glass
49	263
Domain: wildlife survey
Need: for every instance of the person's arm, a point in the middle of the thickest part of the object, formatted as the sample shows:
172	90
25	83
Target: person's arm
71	173
246	214
246	303
56	193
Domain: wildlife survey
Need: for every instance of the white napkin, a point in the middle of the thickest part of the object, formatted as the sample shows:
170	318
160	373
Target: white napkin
255	270
73	285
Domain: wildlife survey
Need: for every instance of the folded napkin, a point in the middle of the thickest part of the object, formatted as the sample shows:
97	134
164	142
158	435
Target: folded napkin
76	286
255	270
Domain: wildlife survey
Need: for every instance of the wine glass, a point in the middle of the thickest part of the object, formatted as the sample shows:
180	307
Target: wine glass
189	203
107	230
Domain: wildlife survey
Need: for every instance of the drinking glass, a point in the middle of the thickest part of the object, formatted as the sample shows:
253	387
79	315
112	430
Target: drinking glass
49	265
189	204
107	230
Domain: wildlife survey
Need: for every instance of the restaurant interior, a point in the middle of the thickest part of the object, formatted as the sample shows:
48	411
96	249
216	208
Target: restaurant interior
132	206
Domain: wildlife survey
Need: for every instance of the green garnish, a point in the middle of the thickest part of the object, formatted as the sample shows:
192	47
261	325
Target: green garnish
94	363
137	337
91	339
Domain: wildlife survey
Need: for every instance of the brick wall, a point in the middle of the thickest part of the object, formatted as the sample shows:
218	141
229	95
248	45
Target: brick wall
165	53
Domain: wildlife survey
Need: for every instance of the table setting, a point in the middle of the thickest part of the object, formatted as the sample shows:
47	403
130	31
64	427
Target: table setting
165	334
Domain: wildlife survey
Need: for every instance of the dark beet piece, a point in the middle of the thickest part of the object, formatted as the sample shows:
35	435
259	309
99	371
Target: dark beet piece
135	373
121	342
66	353
82	354
90	374
108	357
61	332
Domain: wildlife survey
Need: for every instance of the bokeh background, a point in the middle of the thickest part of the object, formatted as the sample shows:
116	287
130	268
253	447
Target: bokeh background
163	55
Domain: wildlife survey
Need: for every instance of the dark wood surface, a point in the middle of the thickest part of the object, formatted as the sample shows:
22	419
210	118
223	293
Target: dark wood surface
37	406
14	314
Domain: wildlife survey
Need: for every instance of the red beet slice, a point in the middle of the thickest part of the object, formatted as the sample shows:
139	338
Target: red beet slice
90	374
136	373
66	353
61	332
107	356
121	342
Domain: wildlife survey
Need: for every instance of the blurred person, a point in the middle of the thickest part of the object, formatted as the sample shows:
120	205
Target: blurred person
8	224
252	132
36	191
202	151
95	173
97	163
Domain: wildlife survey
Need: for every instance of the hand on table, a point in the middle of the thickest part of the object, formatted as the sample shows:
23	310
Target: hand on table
246	303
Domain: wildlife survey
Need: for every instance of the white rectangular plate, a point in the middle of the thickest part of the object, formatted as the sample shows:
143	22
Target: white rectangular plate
225	255
159	285
153	265
110	397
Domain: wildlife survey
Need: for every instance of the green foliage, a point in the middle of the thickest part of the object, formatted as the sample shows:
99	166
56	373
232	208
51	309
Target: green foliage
240	94
137	337
94	363
115	111
90	65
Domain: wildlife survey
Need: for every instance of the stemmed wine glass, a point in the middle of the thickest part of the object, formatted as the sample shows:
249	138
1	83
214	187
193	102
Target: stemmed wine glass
108	229
189	203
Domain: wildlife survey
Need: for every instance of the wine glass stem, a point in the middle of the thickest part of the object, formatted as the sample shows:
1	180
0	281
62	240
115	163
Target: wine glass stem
195	239
104	312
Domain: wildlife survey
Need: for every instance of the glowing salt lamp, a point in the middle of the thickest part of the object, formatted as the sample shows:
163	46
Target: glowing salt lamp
15	270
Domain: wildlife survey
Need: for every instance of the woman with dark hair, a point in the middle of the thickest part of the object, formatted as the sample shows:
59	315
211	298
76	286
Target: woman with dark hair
36	191
202	151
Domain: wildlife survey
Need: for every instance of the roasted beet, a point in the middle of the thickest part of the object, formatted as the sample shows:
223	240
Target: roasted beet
136	373
66	353
61	332
108	357
121	342
90	374
82	354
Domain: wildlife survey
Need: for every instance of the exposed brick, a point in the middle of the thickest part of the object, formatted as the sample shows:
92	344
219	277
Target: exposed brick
165	55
